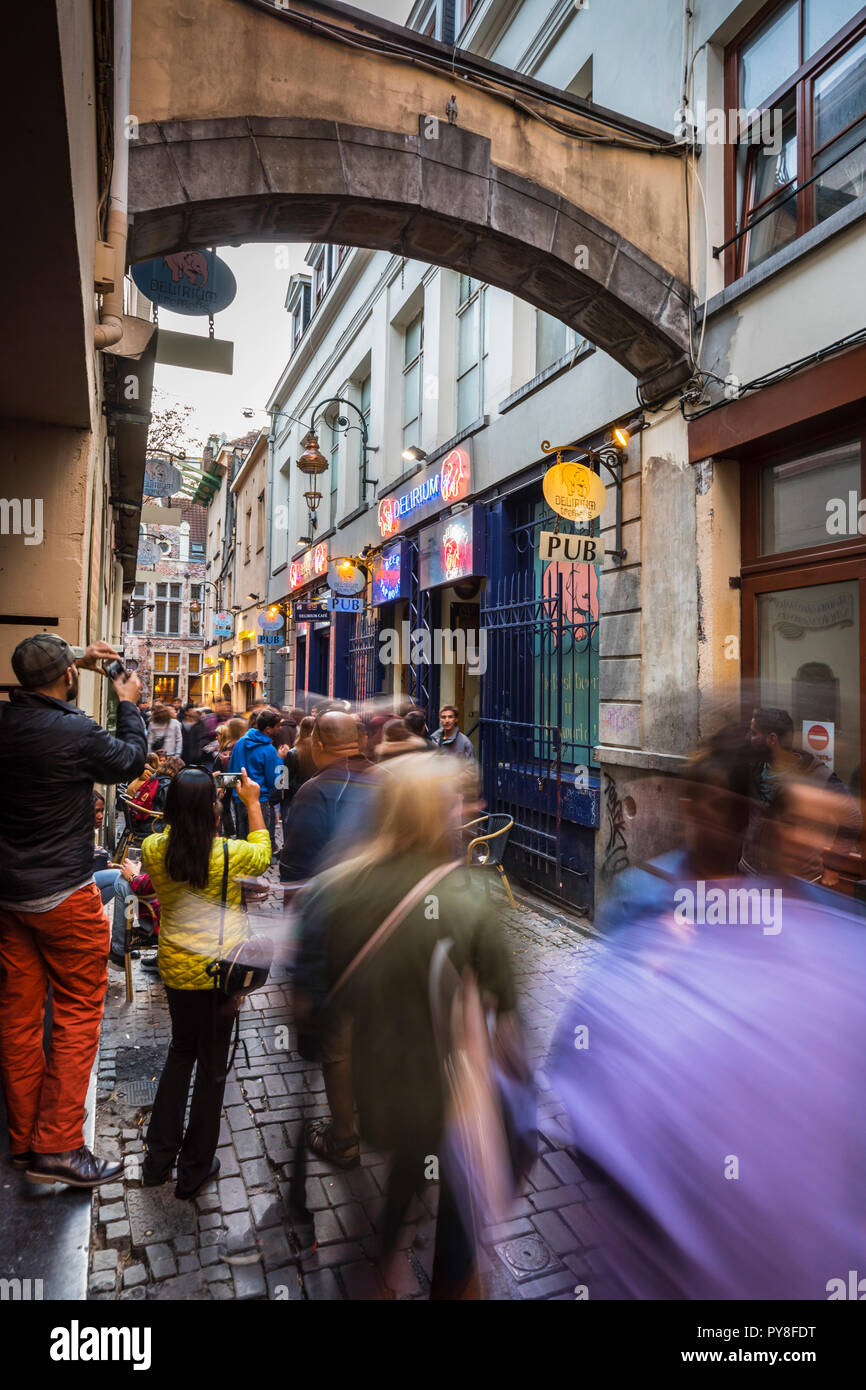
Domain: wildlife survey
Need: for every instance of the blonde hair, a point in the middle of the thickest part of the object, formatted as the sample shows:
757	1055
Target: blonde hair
414	812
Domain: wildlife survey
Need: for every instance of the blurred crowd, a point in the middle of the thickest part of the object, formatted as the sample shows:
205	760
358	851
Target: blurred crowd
710	1069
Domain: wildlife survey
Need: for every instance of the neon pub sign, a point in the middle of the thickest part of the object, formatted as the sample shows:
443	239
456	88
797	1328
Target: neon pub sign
450	484
312	564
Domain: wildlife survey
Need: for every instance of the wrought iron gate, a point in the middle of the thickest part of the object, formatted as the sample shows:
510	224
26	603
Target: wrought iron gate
539	711
362	658
423	677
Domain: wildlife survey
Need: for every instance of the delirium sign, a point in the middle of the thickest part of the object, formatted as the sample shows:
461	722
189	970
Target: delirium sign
450	484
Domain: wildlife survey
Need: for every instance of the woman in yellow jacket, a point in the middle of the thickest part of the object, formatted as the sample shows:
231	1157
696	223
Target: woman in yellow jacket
186	866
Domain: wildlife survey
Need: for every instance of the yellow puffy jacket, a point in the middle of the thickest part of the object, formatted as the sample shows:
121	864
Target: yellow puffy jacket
189	920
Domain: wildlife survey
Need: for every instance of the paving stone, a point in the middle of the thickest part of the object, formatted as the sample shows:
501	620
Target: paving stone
248	1144
208	1201
554	1232
554	1198
249	1281
184	1245
346	1253
582	1221
118	1233
133	1295
275	1085
564	1167
209	1220
112	1192
275	1143
216	1272
233	1195
115	1212
135	1274
105	1259
239	1118
161	1261
253	1089
327	1227
192	1285
548	1284
213	1236
240	1236
267	1210
284	1284
256	1172
354	1221
274	1245
222	1291
102	1281
187	1263
229	1166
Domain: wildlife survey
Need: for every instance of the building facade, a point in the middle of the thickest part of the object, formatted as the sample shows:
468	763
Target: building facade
165	631
588	685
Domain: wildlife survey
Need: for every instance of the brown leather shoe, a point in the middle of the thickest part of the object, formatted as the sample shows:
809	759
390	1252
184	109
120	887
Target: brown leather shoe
76	1167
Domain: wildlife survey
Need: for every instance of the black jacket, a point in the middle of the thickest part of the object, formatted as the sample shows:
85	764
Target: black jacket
51	753
328	812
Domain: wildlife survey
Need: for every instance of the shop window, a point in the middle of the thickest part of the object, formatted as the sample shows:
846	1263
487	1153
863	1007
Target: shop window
796	497
471	351
796	81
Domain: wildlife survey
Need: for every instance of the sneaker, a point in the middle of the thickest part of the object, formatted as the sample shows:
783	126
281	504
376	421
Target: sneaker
75	1167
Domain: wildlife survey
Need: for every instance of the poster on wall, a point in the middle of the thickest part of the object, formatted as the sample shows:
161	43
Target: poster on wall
452	549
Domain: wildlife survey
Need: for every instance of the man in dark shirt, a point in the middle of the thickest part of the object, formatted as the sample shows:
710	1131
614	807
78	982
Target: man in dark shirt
52	925
331	806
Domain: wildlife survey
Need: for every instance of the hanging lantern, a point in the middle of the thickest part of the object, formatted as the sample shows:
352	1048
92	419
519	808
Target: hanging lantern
312	462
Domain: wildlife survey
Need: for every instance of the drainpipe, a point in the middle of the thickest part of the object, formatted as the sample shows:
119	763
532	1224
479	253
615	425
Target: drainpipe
111	328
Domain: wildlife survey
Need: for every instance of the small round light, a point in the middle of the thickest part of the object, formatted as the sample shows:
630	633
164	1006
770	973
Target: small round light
621	437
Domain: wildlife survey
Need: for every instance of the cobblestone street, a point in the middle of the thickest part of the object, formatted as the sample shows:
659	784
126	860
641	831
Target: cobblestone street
235	1242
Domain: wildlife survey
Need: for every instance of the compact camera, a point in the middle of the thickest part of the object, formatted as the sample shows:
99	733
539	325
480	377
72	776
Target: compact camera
114	670
228	779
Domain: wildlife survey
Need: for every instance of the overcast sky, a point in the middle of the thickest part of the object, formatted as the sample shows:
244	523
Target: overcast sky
257	324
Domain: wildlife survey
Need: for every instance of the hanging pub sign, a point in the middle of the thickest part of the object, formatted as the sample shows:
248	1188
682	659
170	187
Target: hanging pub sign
574	491
270	624
578	550
452	549
161	478
345	603
309	566
187	282
223	625
441	487
345	577
306	611
389	575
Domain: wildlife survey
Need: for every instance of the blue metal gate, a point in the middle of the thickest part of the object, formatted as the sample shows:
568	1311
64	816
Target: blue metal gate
362	658
539	718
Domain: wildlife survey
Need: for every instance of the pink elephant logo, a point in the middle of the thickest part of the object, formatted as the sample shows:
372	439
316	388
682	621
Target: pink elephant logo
192	264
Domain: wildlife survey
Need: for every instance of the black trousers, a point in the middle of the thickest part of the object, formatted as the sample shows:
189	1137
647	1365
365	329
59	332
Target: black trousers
454	1255
201	1029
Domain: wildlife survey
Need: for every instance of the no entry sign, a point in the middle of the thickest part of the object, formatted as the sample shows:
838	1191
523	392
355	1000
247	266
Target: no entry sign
819	739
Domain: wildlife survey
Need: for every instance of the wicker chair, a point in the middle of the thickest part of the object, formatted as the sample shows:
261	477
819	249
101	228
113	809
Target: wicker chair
134	835
486	849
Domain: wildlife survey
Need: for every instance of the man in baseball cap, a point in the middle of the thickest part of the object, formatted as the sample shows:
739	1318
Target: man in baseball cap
52	926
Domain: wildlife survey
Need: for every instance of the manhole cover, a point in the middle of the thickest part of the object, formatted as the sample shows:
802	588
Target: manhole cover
526	1257
140	1093
155	1215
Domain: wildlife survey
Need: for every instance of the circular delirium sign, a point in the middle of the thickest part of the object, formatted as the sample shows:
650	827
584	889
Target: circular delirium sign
574	491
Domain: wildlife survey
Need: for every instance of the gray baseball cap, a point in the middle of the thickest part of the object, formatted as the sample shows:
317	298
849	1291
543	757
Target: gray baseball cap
42	659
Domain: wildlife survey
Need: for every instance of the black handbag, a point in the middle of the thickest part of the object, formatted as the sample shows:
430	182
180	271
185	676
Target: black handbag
247	965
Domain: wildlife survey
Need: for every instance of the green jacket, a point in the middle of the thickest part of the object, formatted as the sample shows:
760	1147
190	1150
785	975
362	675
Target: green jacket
190	917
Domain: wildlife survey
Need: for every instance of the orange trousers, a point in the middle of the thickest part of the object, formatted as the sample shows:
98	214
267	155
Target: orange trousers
66	948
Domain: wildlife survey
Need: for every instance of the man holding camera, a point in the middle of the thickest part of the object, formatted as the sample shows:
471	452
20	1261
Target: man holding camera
53	930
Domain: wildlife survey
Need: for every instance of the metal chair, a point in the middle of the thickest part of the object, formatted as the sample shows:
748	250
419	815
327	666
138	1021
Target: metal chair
486	850
134	835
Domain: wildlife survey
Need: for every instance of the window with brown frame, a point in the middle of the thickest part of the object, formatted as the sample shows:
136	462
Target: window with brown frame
795	80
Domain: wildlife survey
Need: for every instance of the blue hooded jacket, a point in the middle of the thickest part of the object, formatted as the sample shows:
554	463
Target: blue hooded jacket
256	752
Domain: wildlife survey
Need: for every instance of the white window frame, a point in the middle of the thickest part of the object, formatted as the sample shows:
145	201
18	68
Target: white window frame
477	293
